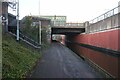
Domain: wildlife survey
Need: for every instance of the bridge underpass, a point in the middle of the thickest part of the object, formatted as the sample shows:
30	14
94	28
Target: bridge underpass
99	45
66	31
60	62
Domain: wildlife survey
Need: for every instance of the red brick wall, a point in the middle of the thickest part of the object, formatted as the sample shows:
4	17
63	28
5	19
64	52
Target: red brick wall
109	40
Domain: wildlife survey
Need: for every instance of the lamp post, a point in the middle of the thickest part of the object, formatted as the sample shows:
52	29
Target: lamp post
40	32
17	17
40	41
118	13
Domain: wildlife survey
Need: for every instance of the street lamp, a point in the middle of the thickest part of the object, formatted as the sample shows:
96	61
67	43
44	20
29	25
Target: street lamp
17	17
40	38
40	32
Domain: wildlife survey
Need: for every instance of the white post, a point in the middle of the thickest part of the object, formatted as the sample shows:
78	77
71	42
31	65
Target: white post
17	20
39	7
40	36
119	7
1	40
40	32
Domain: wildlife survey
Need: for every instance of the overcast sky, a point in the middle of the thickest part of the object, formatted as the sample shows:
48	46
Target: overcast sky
75	10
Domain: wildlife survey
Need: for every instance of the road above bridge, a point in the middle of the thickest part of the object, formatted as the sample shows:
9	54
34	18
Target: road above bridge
60	62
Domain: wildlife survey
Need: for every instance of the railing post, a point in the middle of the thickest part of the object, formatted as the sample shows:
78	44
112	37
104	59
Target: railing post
87	27
40	33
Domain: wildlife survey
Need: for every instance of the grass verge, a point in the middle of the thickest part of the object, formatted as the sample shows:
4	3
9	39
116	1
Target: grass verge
17	59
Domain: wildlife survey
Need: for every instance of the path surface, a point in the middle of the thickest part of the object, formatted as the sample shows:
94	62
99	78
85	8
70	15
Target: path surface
60	62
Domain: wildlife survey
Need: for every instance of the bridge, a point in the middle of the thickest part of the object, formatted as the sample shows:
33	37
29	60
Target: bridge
68	28
67	31
100	43
60	26
96	41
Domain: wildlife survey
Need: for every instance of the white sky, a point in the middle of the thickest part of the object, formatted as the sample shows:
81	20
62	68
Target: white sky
75	10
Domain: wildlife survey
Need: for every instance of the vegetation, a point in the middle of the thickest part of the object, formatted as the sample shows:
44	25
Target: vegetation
30	30
45	43
18	59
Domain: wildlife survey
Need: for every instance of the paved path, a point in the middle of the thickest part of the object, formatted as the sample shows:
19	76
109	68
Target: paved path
60	62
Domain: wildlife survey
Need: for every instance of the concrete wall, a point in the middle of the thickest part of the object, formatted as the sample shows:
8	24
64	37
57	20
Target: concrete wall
11	18
108	23
45	23
5	15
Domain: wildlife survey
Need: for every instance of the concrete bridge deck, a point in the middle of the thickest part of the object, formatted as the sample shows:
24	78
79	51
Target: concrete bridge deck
67	31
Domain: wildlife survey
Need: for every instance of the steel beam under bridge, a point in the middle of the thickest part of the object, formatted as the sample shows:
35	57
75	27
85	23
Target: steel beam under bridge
67	31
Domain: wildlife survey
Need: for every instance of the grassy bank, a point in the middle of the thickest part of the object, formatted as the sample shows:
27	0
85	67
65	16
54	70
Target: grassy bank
17	59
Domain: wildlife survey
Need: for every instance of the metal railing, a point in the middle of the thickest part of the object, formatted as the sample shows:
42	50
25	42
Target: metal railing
106	21
27	40
75	25
109	13
69	25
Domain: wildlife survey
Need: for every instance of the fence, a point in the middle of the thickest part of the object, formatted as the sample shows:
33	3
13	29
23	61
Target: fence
75	25
70	25
105	21
27	40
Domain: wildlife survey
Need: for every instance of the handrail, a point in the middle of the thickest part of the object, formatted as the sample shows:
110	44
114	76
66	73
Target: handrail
27	40
69	25
105	15
75	24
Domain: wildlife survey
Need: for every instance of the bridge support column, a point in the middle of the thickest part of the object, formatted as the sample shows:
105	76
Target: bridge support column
87	28
118	19
68	40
